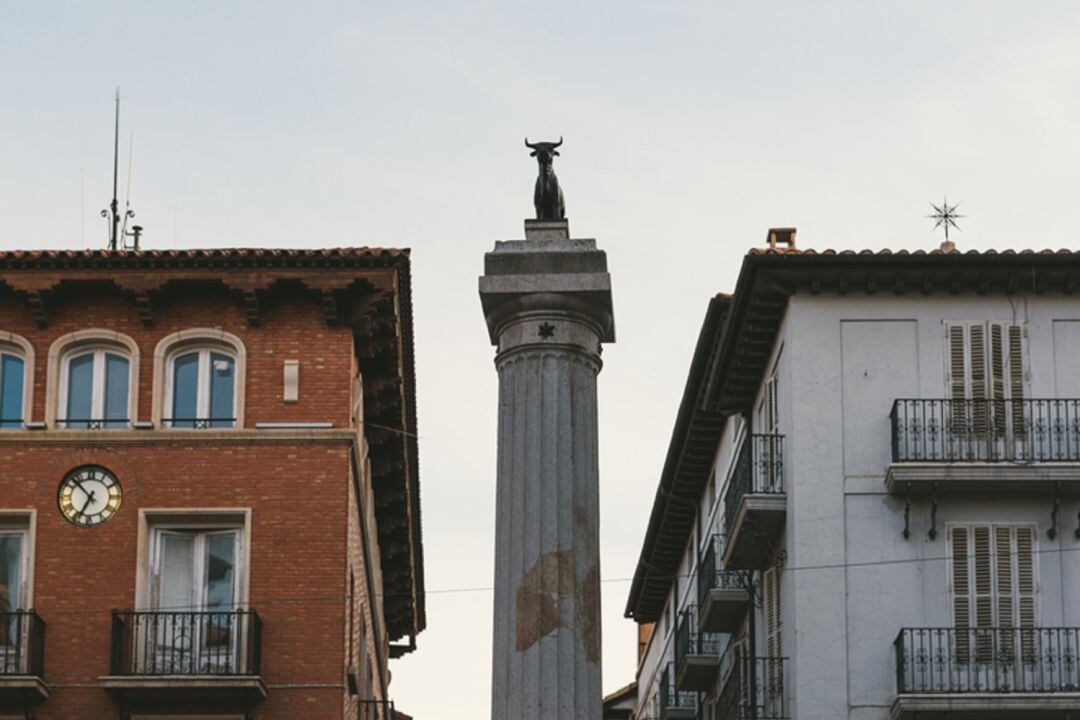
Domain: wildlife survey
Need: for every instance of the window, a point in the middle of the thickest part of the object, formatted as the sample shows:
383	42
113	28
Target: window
194	625
774	646
994	587
201	389
14	588
12	374
95	387
12	570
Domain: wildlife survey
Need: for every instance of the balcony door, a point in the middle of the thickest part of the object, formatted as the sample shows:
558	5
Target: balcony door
994	586
12	581
985	376
194	625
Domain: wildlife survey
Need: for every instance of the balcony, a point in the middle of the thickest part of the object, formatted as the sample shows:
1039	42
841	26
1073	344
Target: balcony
984	446
211	657
375	710
753	690
675	704
722	594
22	660
755	504
209	423
697	654
93	424
1032	673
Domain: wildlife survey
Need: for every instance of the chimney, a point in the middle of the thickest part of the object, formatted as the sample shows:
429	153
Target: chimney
948	246
782	236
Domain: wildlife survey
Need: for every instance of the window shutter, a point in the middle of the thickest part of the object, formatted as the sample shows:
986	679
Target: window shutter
997	377
978	358
957	380
961	591
1016	378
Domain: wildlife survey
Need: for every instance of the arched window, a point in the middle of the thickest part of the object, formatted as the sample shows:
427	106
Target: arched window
95	387
199	380
200	388
12	382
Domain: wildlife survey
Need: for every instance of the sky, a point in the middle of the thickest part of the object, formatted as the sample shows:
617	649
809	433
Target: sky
690	128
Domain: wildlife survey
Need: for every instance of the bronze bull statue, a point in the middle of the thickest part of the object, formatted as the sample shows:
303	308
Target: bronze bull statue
548	197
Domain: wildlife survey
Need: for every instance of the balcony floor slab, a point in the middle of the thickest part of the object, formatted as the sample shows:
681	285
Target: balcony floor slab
185	688
723	610
18	691
759	516
985	706
982	477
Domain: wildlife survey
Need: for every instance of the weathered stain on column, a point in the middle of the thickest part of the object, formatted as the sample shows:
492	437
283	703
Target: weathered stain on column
547	301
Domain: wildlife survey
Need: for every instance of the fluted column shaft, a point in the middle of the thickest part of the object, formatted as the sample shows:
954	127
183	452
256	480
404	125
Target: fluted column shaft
546	661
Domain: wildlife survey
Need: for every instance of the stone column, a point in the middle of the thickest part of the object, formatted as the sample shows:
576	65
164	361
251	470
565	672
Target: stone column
547	301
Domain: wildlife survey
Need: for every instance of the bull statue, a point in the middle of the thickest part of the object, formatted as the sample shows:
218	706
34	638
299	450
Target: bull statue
548	197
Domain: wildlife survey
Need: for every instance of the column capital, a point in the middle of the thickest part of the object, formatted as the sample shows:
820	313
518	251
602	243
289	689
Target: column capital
547	273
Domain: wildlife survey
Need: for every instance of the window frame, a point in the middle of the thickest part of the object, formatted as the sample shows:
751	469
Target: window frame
99	384
19	347
23	523
201	535
203	399
184	341
74	344
198	519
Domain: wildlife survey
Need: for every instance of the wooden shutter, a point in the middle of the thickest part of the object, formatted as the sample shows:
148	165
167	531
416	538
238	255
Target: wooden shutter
774	647
1026	589
978	374
1016	378
957	375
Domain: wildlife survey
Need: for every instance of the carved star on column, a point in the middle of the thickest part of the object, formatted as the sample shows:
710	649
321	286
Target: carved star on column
547	330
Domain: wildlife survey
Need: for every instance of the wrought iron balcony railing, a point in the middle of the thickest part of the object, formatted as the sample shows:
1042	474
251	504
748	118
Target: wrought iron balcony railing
753	690
375	710
199	423
92	423
712	577
689	640
985	431
670	697
759	470
186	643
22	643
988	660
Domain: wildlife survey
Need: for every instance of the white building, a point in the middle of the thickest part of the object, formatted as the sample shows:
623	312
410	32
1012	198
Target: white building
869	507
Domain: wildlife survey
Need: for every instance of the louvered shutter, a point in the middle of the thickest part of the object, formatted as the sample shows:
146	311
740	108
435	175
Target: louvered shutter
1005	591
774	646
957	376
961	590
1016	379
1026	589
998	353
983	596
978	380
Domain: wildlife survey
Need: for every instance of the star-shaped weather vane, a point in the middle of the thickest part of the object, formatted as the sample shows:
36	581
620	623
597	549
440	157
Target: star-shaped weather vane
946	216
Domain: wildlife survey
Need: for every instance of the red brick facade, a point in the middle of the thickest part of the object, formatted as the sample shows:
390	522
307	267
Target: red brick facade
304	494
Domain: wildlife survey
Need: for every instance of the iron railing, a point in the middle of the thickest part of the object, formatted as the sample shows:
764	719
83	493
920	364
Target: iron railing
753	690
689	640
199	423
186	643
22	643
671	697
759	469
985	431
988	660
92	423
710	576
375	710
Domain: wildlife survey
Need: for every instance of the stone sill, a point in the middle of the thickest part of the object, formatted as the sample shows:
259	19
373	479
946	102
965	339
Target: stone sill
247	688
169	435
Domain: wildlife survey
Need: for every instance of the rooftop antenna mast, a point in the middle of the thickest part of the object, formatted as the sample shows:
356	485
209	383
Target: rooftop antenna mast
118	237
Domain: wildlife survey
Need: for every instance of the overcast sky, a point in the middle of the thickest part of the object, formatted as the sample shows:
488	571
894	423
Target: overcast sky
691	128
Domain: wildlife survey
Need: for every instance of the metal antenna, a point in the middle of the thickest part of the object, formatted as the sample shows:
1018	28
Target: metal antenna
117	236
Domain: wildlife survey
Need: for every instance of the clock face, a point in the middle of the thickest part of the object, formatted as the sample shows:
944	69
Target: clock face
88	496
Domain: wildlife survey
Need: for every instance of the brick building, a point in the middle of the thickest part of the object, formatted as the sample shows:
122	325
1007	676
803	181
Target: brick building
209	500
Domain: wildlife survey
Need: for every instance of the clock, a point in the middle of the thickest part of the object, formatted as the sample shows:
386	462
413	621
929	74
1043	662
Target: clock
88	496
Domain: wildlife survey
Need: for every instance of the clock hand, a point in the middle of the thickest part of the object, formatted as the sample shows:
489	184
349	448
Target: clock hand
89	499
